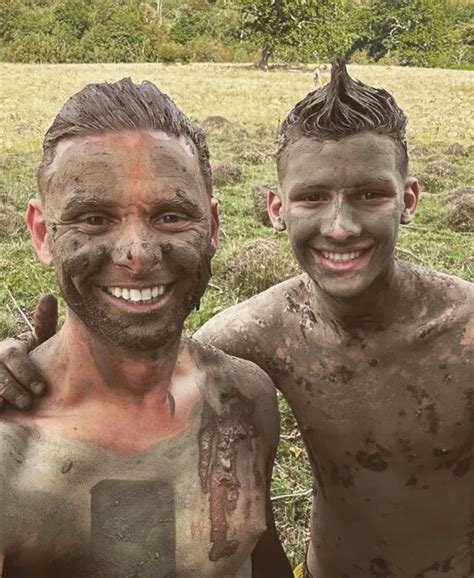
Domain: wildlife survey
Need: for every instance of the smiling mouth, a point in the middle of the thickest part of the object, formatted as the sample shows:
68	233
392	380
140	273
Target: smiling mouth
344	260
144	296
341	256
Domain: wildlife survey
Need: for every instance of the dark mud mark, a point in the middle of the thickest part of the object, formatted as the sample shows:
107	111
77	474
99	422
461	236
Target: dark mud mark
380	569
372	461
442	566
133	528
426	408
219	439
341	476
304	311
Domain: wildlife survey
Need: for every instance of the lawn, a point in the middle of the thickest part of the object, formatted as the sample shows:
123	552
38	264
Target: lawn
241	109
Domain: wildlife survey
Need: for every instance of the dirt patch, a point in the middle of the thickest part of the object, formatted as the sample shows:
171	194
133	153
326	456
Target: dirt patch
227	174
460	210
440	168
257	265
430	183
216	122
456	150
259	203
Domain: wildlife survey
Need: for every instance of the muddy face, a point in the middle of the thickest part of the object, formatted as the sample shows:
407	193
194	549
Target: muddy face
342	204
131	233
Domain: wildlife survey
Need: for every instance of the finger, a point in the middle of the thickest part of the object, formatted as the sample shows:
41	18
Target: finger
45	318
21	370
12	392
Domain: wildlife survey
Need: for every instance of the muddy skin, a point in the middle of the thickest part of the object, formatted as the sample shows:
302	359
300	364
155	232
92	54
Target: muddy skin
88	256
107	476
370	429
190	505
376	364
218	440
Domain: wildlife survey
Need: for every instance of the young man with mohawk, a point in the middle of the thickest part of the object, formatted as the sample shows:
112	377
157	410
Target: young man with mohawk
373	354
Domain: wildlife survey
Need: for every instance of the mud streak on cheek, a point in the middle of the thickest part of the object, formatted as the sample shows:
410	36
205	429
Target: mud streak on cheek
133	528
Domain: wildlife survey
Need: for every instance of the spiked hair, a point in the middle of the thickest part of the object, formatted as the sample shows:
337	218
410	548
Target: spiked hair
342	108
116	107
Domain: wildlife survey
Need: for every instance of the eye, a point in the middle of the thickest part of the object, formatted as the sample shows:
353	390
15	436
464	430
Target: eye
371	196
95	220
314	198
170	219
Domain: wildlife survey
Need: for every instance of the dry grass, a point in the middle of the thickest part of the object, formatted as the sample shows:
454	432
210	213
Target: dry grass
438	104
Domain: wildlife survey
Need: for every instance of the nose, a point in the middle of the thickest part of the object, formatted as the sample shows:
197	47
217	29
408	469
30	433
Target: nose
340	224
137	251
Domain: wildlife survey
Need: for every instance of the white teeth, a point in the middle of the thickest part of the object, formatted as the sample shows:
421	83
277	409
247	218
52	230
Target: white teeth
341	256
137	295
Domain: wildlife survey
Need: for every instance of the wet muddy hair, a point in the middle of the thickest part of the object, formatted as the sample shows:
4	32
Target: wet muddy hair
115	107
345	107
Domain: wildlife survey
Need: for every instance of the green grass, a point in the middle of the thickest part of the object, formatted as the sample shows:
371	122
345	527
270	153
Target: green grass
438	104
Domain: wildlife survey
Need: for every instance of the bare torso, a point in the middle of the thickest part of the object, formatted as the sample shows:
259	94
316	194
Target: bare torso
387	417
123	500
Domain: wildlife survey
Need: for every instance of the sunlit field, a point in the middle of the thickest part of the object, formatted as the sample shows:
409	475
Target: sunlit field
241	109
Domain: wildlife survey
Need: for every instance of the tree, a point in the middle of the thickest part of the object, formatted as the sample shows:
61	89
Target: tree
415	30
311	28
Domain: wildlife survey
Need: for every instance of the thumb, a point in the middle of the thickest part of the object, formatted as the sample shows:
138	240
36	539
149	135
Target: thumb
45	318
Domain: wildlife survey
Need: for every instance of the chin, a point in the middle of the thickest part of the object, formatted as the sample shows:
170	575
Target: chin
342	288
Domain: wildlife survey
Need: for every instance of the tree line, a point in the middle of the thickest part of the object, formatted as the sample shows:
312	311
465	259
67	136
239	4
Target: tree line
405	32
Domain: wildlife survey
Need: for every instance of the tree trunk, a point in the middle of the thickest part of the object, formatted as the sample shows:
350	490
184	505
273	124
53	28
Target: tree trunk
264	57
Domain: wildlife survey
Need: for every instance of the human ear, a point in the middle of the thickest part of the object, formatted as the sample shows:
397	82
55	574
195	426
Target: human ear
38	230
275	208
411	197
215	224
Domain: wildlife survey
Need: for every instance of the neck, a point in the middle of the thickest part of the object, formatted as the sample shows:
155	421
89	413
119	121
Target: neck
89	364
374	308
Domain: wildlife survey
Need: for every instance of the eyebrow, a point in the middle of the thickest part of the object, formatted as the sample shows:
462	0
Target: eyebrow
178	201
325	187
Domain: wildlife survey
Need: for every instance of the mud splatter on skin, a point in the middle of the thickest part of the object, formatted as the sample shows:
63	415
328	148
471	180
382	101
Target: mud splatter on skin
92	242
371	461
379	568
426	408
219	439
441	566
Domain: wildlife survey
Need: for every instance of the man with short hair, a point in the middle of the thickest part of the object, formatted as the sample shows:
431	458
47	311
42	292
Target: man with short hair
152	455
374	355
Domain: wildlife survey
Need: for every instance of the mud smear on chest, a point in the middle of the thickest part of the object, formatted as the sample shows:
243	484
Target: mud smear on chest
220	437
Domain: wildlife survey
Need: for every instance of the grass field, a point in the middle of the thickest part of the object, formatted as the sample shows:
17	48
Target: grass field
439	106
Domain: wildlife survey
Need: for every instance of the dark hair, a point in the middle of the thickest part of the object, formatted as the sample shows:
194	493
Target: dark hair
342	108
120	106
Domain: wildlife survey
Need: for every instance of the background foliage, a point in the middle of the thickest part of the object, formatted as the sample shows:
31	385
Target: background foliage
406	32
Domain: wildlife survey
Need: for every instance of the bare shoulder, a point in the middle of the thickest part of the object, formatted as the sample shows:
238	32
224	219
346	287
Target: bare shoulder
441	291
445	306
237	386
14	439
242	327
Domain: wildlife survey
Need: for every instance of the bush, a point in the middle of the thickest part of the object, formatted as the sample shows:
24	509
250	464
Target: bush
460	210
255	266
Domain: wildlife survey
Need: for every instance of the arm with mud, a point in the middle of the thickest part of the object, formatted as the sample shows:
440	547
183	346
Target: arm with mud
268	557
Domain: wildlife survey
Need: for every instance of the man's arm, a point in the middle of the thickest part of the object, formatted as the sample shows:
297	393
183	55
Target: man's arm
19	376
268	557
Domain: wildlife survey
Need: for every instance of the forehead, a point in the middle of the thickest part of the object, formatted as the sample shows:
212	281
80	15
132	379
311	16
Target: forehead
348	161
100	162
